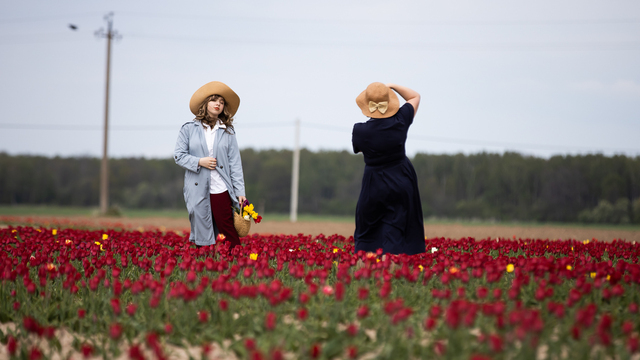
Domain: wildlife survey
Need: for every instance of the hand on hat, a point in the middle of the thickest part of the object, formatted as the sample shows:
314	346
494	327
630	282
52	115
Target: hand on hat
208	162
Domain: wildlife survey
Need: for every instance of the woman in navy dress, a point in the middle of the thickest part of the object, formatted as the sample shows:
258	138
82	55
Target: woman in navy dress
389	213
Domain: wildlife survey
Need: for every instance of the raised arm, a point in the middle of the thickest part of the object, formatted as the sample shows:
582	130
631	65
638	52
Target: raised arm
409	95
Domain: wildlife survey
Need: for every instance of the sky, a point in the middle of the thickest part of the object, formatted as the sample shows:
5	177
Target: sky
540	78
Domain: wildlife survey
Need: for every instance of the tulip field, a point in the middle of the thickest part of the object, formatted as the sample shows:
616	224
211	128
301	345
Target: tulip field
77	293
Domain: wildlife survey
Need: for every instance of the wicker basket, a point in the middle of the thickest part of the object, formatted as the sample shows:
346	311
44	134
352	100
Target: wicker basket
242	226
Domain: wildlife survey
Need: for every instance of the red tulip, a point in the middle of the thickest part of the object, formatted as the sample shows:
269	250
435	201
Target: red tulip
223	304
115	305
131	309
339	291
496	343
277	355
12	345
203	316
35	354
352	352
633	344
304	297
115	331
249	344
430	323
352	330
363	293
363	311
87	350
270	321
482	292
315	351
302	314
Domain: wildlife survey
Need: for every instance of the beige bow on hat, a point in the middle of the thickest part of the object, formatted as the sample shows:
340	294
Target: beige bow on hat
382	106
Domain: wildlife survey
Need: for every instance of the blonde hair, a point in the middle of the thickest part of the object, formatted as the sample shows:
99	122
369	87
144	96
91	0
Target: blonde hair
225	116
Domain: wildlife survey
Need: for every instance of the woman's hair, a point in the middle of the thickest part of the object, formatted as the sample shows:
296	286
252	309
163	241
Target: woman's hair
225	117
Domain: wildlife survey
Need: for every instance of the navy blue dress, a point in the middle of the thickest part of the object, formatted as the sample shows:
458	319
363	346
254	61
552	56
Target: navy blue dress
389	213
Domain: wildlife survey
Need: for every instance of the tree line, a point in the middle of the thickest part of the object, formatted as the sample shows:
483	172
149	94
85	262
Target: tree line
509	186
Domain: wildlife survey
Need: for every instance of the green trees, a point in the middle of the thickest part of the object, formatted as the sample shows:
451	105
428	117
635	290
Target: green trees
511	186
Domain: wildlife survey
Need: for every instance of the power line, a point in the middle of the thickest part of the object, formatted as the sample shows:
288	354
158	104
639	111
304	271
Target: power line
401	22
47	18
21	19
72	127
332	128
559	46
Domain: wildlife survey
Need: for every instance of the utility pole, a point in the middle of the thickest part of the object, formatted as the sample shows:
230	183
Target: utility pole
110	34
295	173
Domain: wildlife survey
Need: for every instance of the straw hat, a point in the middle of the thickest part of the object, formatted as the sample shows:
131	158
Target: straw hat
231	99
378	101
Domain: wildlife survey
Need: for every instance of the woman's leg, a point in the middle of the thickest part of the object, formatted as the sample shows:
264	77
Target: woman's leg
223	217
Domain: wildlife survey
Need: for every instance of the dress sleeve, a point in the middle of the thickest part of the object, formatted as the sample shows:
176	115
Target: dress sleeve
356	149
407	113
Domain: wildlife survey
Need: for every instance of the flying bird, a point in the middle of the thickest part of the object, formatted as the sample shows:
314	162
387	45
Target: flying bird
73	27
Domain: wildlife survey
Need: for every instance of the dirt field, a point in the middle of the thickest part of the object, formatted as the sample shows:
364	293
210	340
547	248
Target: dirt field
455	231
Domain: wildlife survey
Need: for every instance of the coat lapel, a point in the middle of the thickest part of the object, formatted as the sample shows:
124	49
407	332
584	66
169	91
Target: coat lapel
216	144
203	141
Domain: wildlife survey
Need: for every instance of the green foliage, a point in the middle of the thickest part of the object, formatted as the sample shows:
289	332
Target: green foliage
511	186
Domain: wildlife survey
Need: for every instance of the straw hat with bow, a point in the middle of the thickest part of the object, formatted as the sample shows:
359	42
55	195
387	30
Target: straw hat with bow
231	99
378	101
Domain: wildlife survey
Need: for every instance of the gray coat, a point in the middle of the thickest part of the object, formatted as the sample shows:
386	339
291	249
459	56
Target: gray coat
190	147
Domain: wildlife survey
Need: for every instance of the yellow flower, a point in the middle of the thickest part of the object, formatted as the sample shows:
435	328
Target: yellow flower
253	256
97	242
453	270
14	231
608	277
569	267
510	268
105	236
54	232
572	248
51	267
68	242
221	236
248	208
101	248
377	260
39	230
586	242
335	250
421	268
593	275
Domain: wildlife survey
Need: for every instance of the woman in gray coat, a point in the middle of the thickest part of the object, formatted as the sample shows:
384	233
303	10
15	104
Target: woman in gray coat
208	151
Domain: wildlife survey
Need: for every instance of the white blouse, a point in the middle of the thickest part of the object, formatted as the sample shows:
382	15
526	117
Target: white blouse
217	185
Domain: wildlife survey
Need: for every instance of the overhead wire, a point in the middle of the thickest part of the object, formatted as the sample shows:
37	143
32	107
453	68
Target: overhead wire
318	126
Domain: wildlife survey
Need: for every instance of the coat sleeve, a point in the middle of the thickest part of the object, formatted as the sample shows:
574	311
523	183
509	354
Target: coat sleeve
181	153
235	167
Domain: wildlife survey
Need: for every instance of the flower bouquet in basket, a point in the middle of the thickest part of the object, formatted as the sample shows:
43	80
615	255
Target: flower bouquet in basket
242	218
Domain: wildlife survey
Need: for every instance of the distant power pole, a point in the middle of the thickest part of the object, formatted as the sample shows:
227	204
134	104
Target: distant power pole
110	34
295	173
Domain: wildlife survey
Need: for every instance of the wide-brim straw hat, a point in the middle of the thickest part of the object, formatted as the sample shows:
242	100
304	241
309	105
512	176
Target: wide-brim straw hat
378	101
231	99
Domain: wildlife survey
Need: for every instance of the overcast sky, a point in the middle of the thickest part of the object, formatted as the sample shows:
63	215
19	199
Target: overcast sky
541	78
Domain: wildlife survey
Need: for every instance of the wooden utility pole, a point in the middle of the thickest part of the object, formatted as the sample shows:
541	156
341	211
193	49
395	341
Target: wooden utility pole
295	173
110	34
